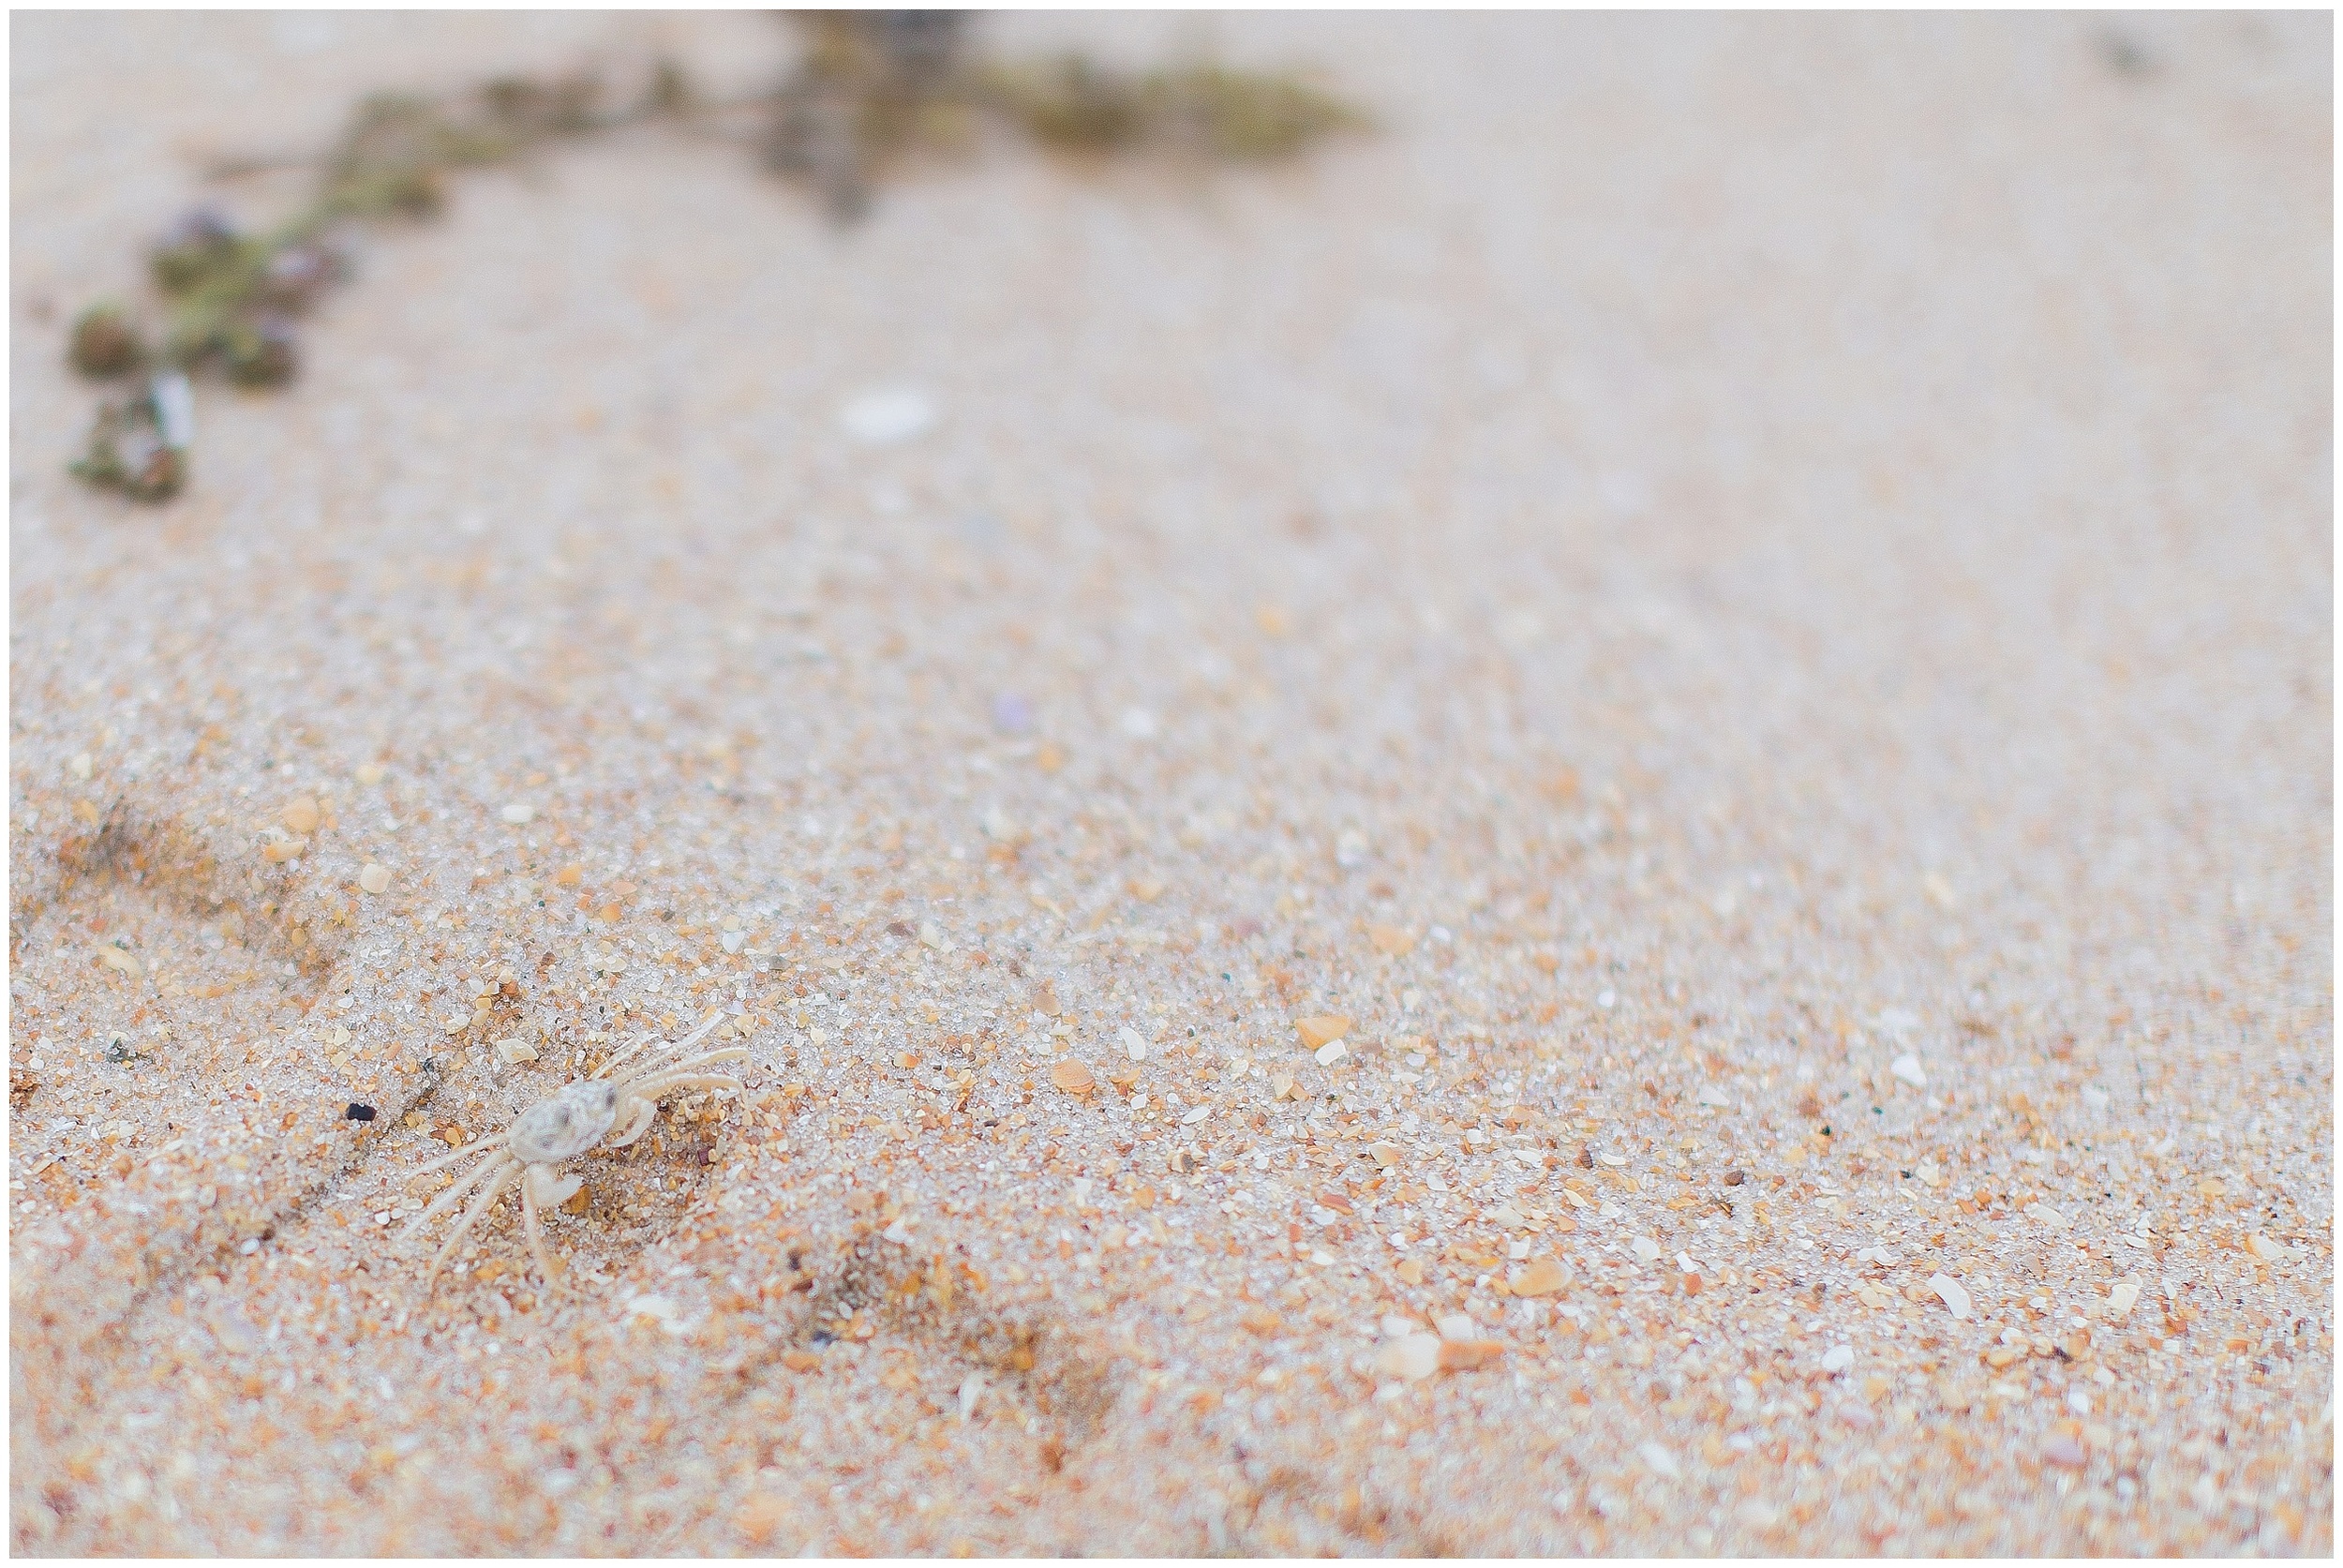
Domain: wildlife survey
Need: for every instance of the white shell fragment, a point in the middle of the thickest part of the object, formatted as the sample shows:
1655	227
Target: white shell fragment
888	415
2271	1251
1411	1358
659	1310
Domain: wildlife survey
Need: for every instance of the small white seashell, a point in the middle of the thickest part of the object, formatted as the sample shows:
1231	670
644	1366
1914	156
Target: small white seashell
887	416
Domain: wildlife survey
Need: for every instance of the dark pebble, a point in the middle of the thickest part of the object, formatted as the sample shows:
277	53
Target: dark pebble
1735	1177
358	1113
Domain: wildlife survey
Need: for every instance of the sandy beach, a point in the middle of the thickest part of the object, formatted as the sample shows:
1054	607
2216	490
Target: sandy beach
1602	824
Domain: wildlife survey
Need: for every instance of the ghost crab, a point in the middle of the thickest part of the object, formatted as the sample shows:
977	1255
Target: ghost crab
598	1110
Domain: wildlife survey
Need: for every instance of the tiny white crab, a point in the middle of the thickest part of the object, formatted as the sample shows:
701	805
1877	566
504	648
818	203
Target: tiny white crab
574	1118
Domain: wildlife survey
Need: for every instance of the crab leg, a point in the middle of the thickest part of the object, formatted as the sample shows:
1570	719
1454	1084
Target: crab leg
549	1265
667	1083
453	1156
729	1053
639	1104
604	1071
654	1061
684	1045
509	1172
656	1073
693	1038
449	1198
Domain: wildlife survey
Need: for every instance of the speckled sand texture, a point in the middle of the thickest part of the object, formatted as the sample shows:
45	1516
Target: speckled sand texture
1747	599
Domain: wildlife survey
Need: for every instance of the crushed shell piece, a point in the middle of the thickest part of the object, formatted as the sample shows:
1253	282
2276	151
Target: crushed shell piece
1321	1030
1411	1358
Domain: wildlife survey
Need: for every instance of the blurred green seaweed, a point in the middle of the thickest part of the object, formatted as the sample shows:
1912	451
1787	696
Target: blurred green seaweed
230	299
878	87
871	90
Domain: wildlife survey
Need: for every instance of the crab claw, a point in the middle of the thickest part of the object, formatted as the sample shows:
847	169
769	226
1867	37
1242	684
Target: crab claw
551	1191
541	1185
636	1119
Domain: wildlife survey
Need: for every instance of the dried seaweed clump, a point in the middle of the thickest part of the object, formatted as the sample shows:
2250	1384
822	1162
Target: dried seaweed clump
871	89
1077	105
876	85
229	298
139	444
873	86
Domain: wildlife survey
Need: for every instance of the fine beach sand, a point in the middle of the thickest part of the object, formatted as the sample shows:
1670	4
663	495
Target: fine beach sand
1748	600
